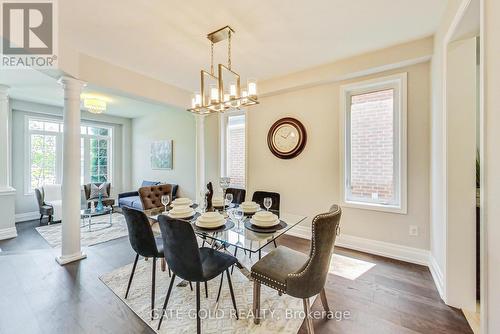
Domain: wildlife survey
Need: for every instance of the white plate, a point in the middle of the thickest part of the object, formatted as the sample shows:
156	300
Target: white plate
210	217
181	216
215	224
182	202
264	224
264	216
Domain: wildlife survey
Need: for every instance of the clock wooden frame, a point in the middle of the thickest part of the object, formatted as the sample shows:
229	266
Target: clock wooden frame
301	130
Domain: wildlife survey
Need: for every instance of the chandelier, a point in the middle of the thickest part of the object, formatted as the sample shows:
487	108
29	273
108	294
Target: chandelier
222	91
95	106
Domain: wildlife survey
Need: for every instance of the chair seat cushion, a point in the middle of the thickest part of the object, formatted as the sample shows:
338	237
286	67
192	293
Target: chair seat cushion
273	269
214	262
131	202
46	210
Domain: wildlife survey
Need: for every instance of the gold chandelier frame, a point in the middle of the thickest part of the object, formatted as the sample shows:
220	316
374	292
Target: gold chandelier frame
218	100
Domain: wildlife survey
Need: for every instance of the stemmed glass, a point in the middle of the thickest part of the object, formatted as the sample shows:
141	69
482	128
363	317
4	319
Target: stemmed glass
238	216
165	199
224	183
203	200
268	202
229	200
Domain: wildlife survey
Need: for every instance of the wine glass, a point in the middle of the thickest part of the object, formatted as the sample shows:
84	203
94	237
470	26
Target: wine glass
268	202
203	201
238	215
229	199
165	199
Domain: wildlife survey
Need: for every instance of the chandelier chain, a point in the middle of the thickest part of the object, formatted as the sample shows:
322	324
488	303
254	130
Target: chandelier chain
212	58
229	50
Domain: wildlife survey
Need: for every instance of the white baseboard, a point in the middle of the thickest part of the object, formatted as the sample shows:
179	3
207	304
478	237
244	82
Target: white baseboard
382	248
385	249
437	275
22	217
8	233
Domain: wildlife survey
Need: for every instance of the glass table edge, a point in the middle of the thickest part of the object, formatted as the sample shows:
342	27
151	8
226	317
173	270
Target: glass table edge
207	235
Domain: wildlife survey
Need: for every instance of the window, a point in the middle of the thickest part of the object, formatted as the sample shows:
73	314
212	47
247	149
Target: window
233	157
44	153
374	144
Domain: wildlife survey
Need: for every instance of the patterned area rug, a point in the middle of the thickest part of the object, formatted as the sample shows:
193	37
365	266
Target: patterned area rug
98	234
282	314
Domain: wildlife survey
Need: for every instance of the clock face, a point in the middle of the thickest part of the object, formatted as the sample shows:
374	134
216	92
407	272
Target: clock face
286	138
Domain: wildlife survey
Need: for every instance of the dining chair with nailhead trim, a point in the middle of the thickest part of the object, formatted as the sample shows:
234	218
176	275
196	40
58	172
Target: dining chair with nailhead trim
296	274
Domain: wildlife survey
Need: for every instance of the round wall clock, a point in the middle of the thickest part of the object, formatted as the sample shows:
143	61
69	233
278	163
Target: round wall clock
287	138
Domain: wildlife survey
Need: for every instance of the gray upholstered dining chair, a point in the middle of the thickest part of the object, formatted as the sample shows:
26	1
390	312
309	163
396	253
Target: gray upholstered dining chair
295	273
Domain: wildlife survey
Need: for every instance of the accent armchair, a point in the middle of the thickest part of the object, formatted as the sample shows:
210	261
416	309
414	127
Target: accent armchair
43	208
106	201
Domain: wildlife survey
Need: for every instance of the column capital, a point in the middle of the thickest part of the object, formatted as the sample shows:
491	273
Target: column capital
70	83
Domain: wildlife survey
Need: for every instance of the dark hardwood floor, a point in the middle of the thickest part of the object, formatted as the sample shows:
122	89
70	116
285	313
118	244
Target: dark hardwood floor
39	296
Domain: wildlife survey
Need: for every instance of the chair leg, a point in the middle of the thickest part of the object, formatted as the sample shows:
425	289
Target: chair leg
153	287
206	289
232	293
198	320
235	252
169	273
131	275
41	217
275	245
166	300
308	319
220	287
163	264
256	302
324	301
191	285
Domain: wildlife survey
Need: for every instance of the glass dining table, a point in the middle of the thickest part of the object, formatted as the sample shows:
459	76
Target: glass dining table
243	236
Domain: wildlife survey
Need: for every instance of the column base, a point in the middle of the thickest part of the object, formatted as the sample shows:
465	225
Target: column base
65	259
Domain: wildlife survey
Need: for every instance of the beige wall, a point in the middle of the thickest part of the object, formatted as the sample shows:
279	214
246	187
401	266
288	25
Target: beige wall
491	162
174	124
310	183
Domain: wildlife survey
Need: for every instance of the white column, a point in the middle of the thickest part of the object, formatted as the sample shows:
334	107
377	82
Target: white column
200	156
4	137
71	249
7	193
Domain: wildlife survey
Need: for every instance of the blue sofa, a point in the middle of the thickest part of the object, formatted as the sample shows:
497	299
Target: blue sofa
131	199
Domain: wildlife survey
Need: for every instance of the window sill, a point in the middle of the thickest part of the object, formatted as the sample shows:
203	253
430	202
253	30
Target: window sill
375	207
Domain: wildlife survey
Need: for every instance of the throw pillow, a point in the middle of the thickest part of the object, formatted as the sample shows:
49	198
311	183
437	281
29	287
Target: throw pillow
96	190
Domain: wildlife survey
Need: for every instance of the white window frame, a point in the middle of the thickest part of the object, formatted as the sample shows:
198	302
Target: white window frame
398	82
223	161
59	140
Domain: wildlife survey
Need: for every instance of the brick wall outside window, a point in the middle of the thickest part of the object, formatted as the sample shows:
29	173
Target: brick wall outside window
236	154
372	146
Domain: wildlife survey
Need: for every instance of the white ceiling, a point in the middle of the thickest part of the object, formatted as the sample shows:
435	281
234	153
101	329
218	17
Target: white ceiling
33	86
166	39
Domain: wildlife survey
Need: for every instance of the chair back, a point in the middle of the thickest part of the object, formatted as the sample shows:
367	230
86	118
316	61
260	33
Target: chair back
238	194
39	197
310	279
151	195
140	234
258	197
181	248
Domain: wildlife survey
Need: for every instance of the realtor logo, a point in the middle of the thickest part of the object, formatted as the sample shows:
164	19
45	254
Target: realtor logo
28	32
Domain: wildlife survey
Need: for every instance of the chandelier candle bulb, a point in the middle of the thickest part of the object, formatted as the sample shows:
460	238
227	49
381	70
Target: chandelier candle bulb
214	94
197	97
232	91
252	88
